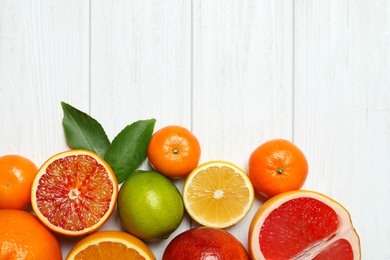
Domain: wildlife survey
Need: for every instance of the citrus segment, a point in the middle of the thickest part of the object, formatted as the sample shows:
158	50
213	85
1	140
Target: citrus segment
302	225
340	249
110	245
74	192
24	237
218	194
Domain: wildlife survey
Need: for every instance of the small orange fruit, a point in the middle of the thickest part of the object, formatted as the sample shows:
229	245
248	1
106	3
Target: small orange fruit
205	243
24	237
277	166
218	194
74	192
303	225
110	245
16	176
174	151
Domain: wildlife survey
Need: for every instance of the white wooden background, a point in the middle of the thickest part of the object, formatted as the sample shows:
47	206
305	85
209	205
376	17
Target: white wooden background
237	73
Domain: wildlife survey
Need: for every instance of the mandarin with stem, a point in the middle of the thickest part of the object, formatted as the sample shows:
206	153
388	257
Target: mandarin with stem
174	151
277	166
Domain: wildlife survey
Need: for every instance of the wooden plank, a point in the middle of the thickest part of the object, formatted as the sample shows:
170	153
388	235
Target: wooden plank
140	69
141	59
341	112
237	73
242	80
43	61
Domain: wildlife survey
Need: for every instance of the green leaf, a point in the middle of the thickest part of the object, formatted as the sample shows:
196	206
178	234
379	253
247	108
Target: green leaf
83	132
129	148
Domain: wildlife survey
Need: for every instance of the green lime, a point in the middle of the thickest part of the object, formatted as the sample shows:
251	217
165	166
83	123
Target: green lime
149	205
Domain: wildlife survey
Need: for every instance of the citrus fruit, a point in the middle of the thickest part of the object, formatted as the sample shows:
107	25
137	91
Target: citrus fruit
110	245
16	176
149	205
174	151
74	192
24	237
205	243
277	166
302	225
218	194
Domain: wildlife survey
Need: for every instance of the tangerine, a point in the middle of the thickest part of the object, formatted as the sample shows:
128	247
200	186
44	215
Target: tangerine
16	176
74	192
24	237
303	224
277	166
174	151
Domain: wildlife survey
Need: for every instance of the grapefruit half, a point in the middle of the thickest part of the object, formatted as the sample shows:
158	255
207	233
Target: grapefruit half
303	225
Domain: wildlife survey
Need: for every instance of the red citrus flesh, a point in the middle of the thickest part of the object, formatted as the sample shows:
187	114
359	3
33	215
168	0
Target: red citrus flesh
300	229
340	249
76	193
303	225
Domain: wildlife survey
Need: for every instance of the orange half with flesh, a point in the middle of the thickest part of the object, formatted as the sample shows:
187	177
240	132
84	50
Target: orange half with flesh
110	245
74	192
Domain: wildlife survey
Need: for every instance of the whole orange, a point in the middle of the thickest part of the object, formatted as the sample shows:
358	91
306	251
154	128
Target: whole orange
16	176
205	243
277	166
24	237
174	151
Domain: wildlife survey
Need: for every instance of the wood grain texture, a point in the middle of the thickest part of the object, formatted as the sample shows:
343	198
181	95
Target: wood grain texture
43	60
237	73
341	109
141	62
242	80
141	69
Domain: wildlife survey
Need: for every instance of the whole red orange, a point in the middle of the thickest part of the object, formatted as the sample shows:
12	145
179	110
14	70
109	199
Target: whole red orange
203	243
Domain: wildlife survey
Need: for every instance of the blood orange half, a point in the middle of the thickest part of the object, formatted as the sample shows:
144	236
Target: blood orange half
303	225
74	192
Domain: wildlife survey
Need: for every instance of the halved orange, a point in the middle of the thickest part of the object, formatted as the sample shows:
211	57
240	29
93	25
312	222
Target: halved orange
110	245
74	192
303	225
218	194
